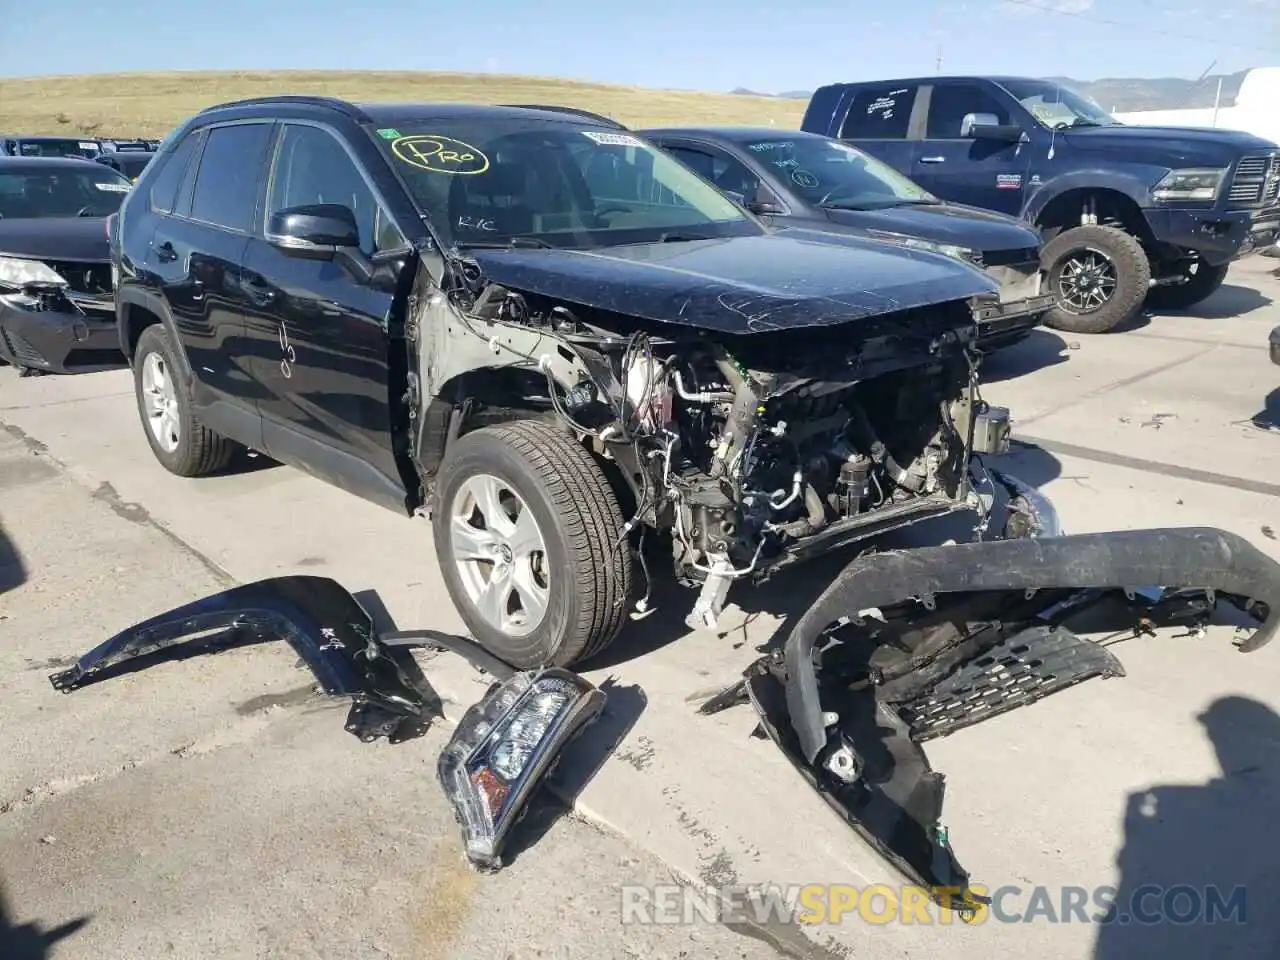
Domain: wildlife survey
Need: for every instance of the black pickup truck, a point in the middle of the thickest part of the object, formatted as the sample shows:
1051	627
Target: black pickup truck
1129	214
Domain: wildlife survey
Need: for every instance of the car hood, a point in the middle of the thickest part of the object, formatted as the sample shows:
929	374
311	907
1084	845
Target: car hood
55	238
1170	146
736	285
946	223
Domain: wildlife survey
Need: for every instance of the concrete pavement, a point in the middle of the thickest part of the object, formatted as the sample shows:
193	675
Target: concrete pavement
1164	424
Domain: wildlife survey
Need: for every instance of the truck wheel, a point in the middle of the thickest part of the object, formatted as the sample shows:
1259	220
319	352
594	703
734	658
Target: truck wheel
1201	281
1099	277
182	444
525	526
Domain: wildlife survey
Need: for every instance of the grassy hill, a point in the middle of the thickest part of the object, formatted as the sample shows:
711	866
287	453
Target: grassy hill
153	104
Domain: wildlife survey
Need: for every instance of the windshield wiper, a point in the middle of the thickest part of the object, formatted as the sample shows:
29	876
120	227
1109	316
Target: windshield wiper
675	236
509	244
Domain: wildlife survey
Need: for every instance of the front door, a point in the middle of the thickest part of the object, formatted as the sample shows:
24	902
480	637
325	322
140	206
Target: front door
319	329
990	174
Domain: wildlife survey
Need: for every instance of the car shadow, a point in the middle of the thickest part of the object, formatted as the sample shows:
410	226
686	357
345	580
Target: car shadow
30	941
1196	873
13	569
1268	418
1227	302
1040	349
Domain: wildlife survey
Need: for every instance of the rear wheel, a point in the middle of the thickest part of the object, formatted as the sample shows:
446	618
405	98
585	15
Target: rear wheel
527	530
1099	277
1200	281
183	445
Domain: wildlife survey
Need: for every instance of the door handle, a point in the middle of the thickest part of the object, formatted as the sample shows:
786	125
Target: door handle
933	159
165	252
258	291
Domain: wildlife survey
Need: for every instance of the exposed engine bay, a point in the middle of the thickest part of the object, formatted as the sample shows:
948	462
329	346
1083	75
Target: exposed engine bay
757	450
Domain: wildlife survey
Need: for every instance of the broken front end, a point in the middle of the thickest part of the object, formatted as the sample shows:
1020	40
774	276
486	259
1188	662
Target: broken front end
748	449
909	646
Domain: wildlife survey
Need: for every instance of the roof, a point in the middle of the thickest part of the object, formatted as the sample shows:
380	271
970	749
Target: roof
736	134
12	164
46	136
939	79
390	114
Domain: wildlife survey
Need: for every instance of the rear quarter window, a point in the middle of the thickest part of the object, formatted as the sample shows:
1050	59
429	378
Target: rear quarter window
879	113
164	186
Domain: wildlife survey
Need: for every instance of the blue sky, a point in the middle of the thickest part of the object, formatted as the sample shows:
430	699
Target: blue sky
689	44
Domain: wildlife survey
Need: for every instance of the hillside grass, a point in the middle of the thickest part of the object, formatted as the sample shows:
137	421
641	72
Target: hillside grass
151	105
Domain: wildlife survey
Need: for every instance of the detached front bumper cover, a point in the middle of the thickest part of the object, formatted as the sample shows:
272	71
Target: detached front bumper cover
908	646
502	750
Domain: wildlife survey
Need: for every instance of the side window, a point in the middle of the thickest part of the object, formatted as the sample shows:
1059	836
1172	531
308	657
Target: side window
879	113
725	172
949	103
164	188
312	167
226	187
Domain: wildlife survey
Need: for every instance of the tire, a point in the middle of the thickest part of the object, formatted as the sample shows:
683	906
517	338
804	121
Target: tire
198	451
1199	285
1129	264
581	582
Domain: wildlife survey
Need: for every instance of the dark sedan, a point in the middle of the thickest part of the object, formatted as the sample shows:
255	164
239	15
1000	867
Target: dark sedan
57	313
802	180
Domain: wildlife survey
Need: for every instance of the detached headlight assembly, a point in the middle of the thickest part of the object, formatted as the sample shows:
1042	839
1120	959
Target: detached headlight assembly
19	274
504	746
918	243
1192	184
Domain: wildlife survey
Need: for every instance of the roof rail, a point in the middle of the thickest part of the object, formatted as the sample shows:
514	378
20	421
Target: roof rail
574	111
315	100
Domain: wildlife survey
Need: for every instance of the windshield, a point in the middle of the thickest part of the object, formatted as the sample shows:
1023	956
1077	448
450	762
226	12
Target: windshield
489	180
57	148
91	192
1057	106
834	174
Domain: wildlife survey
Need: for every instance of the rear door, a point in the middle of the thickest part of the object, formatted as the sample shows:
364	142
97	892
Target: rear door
319	329
990	174
882	119
196	253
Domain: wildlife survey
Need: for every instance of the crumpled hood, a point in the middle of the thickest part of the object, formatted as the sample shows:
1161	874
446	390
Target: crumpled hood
737	285
955	223
1169	146
55	238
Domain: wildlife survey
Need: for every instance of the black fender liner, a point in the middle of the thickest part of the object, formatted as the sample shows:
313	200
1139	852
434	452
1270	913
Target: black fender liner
332	634
1190	557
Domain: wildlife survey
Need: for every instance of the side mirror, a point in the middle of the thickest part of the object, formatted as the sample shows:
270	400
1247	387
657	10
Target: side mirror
987	126
763	202
317	230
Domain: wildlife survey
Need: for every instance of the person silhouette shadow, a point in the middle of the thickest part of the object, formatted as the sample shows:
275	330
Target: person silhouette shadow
1199	867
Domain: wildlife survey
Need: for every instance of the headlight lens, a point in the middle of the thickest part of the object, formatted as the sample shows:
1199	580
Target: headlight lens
502	748
933	246
17	273
1192	184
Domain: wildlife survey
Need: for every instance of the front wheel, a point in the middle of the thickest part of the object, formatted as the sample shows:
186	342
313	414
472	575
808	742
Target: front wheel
528	533
183	445
1099	277
1199	281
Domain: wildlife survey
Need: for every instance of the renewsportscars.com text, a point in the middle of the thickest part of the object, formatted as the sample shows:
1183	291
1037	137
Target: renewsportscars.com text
881	904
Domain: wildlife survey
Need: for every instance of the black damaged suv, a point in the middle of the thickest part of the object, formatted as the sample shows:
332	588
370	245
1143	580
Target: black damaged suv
556	340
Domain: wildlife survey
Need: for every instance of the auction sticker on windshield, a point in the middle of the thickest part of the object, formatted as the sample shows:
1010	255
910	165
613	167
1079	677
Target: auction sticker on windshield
612	139
113	187
439	154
